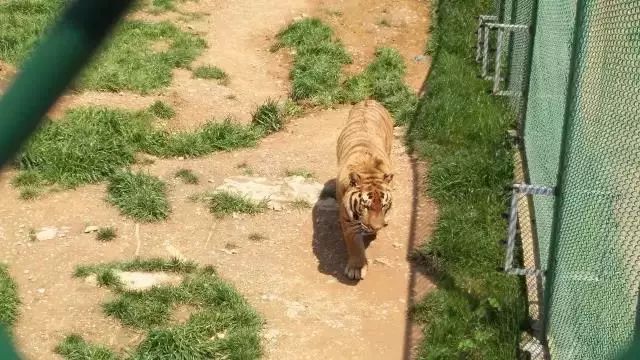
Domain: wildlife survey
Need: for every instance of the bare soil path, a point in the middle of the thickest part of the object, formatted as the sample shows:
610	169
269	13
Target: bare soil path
294	275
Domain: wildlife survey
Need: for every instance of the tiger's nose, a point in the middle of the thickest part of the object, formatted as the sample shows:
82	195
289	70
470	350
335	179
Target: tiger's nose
377	226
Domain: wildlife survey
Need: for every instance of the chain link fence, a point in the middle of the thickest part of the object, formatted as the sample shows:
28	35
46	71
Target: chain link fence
573	79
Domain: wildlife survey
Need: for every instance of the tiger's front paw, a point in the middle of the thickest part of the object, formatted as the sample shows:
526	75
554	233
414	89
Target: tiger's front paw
356	269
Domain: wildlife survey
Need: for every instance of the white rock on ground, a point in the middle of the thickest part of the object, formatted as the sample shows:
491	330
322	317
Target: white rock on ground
90	229
138	280
278	193
46	233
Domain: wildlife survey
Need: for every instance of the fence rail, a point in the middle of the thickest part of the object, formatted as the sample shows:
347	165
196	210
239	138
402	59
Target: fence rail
573	79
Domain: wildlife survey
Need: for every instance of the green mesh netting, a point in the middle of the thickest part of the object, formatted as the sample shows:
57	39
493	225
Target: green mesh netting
595	275
546	107
518	52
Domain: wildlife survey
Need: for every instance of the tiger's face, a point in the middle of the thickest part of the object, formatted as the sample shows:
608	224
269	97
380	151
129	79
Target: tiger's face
368	201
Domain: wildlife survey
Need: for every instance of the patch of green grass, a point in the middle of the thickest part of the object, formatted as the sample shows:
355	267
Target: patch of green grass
162	110
211	137
290	109
87	146
30	192
318	62
153	264
164	4
317	72
220	309
73	347
300	204
127	63
383	80
477	312
187	176
9	300
299	172
108	278
27	178
91	144
211	72
268	117
140	196
225	203
105	234
21	24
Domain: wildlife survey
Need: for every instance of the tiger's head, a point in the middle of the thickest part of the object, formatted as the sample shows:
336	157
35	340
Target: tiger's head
368	200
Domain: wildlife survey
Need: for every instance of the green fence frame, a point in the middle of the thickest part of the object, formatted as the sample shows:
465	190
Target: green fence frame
603	53
63	52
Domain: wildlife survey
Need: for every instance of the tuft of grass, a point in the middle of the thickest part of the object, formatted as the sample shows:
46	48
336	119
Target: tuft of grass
220	309
30	192
105	234
268	117
108	278
300	204
164	5
257	237
9	300
73	347
211	72
140	196
384	22
187	176
318	62
27	178
477	312
383	80
91	144
300	172
290	109
162	110
150	265
225	203
127	62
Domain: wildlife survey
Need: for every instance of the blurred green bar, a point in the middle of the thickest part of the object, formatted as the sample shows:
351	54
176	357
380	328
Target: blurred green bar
61	55
54	63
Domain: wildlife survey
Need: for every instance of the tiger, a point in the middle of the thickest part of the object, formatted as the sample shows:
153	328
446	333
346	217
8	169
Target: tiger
364	179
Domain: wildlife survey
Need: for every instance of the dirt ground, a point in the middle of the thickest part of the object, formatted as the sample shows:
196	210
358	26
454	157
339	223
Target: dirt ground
294	276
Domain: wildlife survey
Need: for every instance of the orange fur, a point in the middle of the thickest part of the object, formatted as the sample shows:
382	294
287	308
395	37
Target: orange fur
364	177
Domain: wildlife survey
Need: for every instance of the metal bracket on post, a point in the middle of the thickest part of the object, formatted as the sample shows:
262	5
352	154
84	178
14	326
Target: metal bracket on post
482	19
513	222
501	28
483	32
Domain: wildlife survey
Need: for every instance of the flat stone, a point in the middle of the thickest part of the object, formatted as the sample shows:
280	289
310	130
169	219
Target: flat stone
277	192
90	229
138	280
47	233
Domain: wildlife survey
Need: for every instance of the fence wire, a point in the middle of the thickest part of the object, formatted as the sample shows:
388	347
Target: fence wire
576	87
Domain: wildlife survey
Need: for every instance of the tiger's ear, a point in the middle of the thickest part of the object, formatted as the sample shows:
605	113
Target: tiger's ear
354	179
388	177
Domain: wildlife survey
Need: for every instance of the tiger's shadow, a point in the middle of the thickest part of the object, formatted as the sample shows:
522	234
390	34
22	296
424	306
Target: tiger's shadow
328	245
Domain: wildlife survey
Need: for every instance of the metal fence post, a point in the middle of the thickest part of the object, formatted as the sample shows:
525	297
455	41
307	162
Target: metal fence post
53	65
